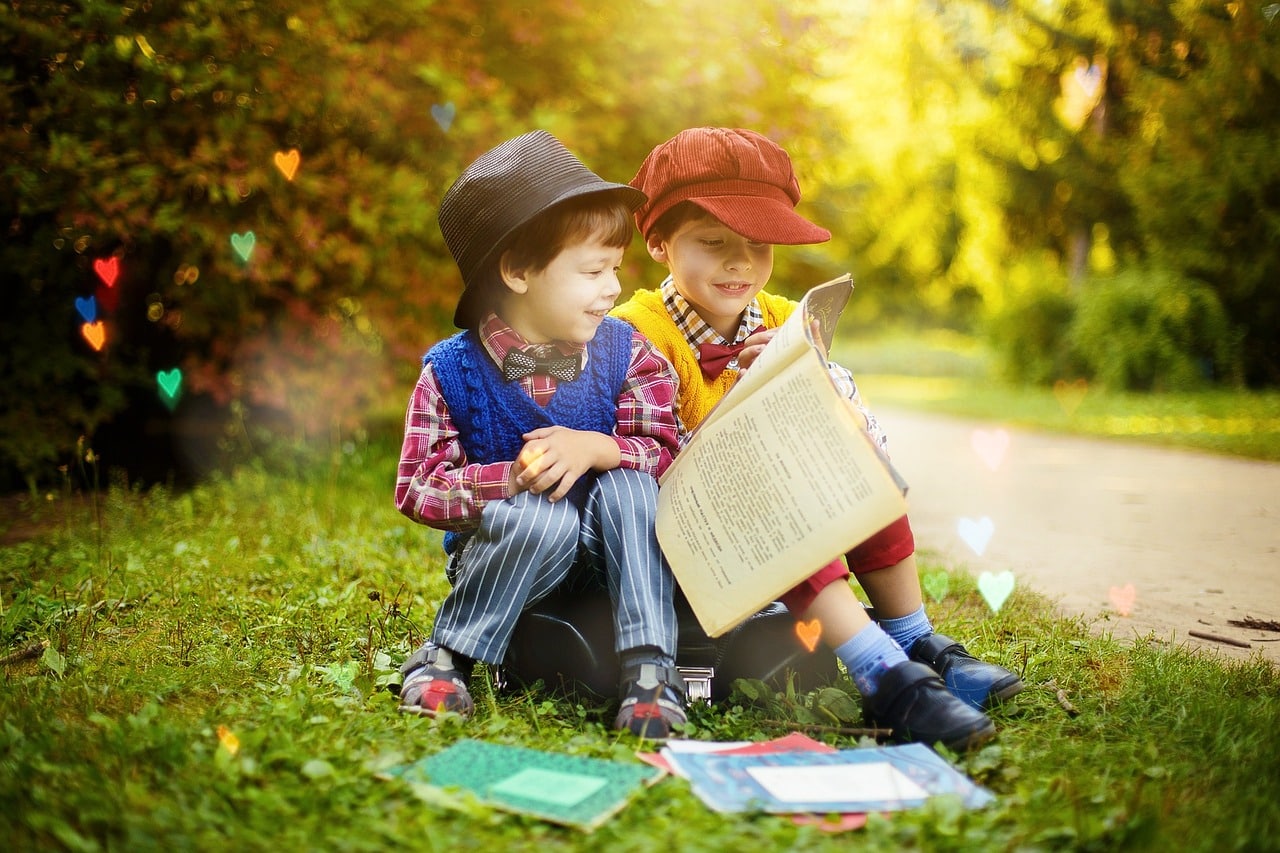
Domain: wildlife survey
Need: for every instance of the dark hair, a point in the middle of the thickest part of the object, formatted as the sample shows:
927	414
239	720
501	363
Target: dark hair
536	243
669	222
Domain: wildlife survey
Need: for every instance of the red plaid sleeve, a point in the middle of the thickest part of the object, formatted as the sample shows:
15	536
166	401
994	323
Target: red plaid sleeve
648	431
435	485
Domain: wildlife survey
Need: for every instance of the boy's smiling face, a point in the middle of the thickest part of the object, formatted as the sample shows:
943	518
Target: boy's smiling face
715	269
568	298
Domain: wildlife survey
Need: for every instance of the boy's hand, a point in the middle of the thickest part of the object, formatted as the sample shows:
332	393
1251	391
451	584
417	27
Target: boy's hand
815	334
755	345
555	457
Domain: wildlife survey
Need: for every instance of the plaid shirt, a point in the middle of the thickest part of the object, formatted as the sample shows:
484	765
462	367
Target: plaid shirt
435	485
697	332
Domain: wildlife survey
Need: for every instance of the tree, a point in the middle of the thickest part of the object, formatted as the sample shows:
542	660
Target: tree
263	180
1170	171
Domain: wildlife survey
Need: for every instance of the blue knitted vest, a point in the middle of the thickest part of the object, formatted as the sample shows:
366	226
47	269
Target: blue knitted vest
492	414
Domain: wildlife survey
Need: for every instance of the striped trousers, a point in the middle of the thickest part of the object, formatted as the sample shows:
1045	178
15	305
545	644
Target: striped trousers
526	546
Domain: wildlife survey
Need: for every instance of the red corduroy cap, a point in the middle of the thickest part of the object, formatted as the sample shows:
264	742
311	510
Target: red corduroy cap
738	176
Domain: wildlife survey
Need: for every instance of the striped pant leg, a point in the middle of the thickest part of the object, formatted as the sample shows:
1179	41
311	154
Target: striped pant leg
524	548
618	533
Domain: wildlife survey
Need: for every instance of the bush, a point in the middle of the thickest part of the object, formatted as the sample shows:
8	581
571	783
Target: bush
1029	334
1148	329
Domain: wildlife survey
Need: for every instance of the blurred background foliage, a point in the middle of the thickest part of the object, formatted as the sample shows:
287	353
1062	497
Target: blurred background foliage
1092	185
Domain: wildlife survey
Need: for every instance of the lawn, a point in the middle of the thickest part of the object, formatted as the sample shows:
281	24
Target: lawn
217	659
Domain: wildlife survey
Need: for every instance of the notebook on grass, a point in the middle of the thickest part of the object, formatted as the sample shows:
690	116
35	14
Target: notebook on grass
573	790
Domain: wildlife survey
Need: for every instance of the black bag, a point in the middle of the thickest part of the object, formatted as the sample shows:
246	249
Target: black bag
566	641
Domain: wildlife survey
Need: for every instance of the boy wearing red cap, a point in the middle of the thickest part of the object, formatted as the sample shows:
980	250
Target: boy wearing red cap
534	438
719	199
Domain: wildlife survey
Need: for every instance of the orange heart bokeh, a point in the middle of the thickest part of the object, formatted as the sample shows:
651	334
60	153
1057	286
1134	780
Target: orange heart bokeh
288	163
809	633
95	333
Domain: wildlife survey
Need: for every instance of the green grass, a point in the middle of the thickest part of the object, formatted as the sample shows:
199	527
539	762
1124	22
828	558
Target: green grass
949	374
273	605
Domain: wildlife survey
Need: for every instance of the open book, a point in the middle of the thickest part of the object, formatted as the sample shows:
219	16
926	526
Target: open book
778	480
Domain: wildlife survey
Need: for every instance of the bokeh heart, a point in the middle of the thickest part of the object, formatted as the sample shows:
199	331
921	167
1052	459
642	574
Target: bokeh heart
95	334
990	446
228	741
936	584
995	588
443	114
809	633
87	307
976	534
170	382
108	269
288	163
1122	598
243	244
1070	394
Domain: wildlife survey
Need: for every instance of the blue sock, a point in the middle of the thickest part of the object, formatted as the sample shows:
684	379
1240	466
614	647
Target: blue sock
868	655
905	630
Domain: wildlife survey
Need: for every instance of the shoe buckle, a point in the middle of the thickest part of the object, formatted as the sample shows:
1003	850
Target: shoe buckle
697	682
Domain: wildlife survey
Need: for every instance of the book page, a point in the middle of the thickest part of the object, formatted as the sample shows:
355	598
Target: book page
774	489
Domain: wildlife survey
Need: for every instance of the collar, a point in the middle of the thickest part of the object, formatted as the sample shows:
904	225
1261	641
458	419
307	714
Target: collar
497	338
696	331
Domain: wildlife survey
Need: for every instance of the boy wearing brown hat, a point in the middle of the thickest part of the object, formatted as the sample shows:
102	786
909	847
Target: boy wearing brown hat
534	437
719	199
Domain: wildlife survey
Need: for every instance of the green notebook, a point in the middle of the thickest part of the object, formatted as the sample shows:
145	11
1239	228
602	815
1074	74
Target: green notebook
568	789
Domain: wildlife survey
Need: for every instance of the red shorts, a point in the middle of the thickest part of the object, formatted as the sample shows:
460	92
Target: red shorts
887	548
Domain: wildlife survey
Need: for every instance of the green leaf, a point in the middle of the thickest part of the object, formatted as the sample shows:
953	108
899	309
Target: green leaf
54	660
316	768
751	688
839	704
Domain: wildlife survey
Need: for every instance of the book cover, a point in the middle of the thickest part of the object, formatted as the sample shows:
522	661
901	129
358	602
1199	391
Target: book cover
669	756
572	790
888	778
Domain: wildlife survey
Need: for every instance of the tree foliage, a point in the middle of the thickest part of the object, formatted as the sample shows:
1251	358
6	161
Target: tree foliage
934	139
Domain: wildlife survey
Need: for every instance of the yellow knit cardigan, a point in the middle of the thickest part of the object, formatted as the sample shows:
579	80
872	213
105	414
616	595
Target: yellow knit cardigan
645	311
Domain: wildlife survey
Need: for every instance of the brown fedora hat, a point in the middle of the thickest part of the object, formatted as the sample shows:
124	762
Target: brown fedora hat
502	190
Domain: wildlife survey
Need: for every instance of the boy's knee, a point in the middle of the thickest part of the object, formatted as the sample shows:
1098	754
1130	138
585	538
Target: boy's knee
534	513
627	487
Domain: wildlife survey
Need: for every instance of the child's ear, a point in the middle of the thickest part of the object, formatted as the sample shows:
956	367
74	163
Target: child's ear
515	278
657	248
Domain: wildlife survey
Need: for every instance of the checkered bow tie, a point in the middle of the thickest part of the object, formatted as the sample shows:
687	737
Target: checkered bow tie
521	363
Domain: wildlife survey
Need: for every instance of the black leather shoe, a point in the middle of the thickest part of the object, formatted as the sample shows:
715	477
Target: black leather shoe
978	683
912	699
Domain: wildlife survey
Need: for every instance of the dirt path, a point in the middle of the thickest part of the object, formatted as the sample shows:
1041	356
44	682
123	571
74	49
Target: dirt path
1079	520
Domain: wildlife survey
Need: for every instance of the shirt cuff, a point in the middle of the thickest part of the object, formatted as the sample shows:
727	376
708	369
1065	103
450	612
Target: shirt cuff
637	453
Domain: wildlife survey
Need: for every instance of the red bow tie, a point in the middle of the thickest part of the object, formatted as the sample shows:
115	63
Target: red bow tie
714	358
